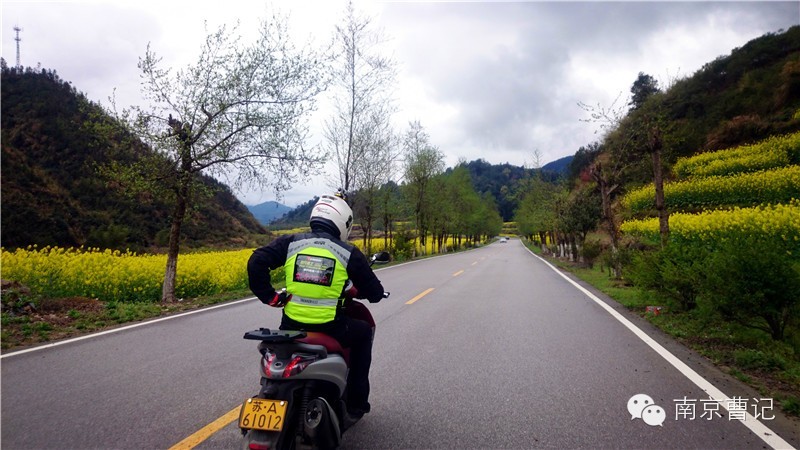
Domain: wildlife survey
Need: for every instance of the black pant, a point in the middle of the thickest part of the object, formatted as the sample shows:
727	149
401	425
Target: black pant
357	336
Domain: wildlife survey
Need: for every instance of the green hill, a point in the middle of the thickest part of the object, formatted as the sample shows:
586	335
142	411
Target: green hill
297	217
737	99
740	98
53	142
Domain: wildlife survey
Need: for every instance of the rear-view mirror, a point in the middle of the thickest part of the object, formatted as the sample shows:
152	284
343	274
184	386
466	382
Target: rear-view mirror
381	257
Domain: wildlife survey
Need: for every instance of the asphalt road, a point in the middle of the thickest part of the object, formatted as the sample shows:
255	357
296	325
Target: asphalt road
503	352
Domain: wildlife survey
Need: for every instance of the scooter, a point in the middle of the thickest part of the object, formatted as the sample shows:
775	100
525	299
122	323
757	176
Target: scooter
303	378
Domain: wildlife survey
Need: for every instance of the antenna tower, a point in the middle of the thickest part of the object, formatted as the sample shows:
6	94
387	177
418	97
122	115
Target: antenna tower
18	39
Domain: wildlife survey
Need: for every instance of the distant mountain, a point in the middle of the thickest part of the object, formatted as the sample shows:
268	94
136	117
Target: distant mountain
502	181
297	217
559	166
267	212
54	139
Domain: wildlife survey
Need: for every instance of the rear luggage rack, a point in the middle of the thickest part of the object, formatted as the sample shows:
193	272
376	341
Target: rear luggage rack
274	337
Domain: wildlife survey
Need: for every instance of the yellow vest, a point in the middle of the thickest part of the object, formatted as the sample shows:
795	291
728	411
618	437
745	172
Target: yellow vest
316	272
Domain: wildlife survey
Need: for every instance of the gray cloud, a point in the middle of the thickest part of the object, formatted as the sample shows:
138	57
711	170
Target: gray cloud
507	67
487	79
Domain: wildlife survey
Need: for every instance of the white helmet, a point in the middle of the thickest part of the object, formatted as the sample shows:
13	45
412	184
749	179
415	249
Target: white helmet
333	210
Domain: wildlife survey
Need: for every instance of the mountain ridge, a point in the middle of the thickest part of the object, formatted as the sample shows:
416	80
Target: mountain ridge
54	141
268	211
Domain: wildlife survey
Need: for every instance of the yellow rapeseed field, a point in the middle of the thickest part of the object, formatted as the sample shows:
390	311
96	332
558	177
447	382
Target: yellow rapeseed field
777	185
750	191
123	276
777	222
115	276
776	151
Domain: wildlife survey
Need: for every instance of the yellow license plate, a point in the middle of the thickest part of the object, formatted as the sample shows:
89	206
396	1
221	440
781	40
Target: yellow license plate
263	414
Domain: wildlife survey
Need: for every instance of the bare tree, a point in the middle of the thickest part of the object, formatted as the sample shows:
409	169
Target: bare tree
362	98
609	168
631	135
238	111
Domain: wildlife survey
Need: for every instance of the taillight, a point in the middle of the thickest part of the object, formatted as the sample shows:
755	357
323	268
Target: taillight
266	362
297	365
258	446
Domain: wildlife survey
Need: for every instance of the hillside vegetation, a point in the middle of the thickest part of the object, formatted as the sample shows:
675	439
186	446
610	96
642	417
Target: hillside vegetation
54	143
691	204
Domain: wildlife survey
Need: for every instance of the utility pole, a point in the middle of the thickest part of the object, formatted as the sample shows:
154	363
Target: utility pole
18	39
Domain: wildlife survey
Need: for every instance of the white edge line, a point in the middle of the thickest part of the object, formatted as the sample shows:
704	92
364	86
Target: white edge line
117	330
759	429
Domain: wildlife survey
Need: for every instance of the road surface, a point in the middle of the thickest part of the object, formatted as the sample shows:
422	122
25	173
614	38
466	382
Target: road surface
490	348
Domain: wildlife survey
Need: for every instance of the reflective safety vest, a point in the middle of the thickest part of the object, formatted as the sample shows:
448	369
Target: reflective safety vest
316	272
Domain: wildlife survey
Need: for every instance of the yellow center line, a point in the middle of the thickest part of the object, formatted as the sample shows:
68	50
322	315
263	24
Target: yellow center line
206	432
423	294
476	262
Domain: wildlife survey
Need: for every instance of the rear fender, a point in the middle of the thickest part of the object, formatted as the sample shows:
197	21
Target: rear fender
332	369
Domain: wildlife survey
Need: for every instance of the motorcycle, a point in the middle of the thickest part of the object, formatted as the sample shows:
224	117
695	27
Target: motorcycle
303	379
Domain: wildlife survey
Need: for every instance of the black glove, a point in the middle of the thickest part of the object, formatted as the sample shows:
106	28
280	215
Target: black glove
279	300
385	295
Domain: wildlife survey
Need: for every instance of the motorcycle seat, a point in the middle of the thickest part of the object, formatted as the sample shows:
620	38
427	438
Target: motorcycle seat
316	338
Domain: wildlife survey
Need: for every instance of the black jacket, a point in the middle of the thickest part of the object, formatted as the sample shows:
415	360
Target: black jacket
273	256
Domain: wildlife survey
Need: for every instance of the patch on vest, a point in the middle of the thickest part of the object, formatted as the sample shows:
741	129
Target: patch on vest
314	269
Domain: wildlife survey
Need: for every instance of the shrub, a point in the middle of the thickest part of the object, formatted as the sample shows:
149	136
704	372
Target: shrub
623	257
755	283
674	272
402	245
590	251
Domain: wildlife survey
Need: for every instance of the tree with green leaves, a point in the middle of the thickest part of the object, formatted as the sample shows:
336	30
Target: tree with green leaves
422	163
390	207
239	111
536	215
644	86
463	204
578	216
491	223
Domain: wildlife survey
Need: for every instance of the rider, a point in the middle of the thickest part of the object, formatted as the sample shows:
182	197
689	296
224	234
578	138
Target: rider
318	265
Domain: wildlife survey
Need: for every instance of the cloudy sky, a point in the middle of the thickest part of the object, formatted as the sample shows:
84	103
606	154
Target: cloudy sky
494	80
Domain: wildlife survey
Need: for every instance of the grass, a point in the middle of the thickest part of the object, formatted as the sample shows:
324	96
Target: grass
53	319
751	356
